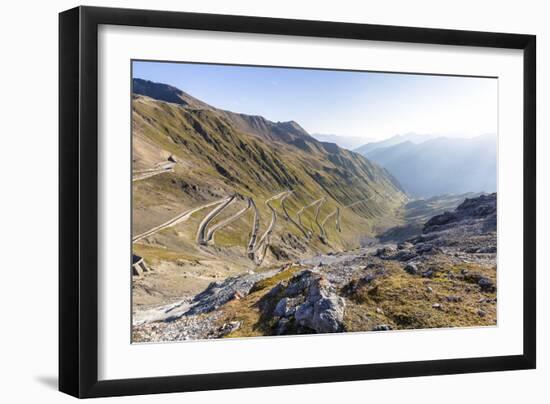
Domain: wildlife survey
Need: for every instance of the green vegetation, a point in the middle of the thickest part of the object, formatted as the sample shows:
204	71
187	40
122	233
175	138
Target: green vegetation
403	301
219	153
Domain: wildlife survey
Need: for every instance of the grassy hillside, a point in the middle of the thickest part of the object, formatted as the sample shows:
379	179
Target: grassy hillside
220	153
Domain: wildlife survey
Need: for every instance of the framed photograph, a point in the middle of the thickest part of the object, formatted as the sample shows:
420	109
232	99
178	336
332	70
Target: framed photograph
251	201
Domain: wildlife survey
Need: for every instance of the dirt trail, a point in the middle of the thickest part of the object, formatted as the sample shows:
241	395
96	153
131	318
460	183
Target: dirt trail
175	220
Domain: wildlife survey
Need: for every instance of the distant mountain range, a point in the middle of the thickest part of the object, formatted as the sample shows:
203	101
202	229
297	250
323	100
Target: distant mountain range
407	137
346	142
436	166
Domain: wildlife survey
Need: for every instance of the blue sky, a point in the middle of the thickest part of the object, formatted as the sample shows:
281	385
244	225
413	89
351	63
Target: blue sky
365	104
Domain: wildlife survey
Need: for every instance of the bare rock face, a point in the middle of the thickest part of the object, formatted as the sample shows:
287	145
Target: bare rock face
477	212
471	227
219	293
311	302
322	313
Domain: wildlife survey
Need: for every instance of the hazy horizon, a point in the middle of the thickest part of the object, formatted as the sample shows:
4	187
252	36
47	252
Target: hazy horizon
369	105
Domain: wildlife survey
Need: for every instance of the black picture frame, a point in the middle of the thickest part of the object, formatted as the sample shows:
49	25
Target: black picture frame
78	201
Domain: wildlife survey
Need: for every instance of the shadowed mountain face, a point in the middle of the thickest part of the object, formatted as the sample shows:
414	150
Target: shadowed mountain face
442	165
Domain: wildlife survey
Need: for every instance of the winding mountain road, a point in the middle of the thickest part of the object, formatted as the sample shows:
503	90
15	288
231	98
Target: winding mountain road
337	213
256	248
175	220
264	241
254	235
201	232
322	234
290	219
228	221
301	211
151	172
331	214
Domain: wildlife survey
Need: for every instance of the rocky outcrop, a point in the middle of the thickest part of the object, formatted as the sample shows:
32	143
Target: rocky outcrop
470	229
219	293
481	211
305	303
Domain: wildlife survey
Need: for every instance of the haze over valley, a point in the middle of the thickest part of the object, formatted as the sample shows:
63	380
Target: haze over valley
427	166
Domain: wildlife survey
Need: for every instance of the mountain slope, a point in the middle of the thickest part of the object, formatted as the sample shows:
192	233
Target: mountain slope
251	124
255	153
167	93
442	165
220	153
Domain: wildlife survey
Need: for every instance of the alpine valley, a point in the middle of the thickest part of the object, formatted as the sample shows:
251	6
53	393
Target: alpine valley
247	227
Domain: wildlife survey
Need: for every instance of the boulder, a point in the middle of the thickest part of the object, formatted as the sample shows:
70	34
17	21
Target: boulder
486	285
428	274
385	252
411	269
322	309
405	255
328	314
424	248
